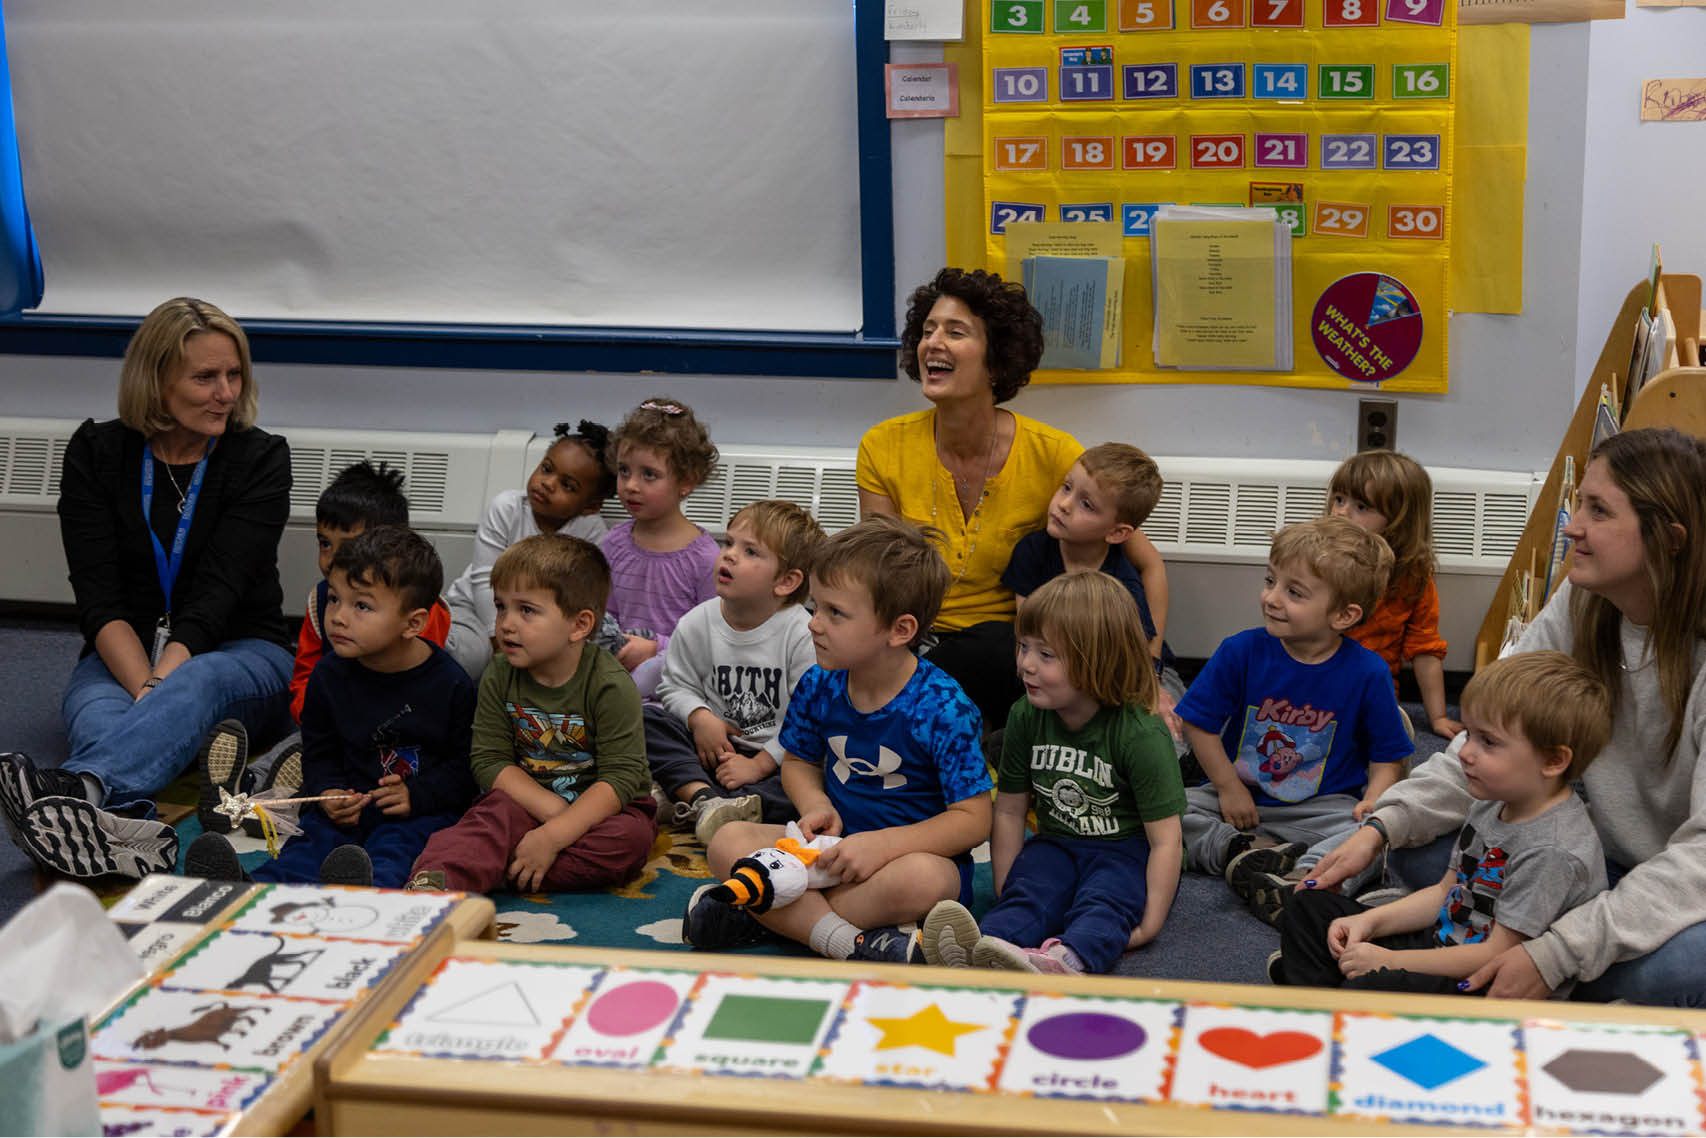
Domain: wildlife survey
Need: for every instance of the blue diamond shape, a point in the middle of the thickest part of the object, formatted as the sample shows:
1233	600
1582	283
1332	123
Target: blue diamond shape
1428	1061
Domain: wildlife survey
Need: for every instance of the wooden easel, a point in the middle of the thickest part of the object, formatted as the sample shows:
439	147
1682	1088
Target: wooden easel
1676	397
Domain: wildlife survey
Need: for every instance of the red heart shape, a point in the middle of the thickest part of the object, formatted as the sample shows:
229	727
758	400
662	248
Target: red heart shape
1248	1049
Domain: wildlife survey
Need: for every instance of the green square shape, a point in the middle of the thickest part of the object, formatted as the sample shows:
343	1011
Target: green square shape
1016	17
767	1019
1345	81
1074	16
1294	215
1421	80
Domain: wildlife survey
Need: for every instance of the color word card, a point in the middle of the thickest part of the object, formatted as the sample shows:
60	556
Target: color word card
117	1119
625	1022
160	1085
1265	1059
1410	1069
273	964
204	1029
1086	1047
1613	1080
346	913
945	1038
481	1009
161	916
749	1025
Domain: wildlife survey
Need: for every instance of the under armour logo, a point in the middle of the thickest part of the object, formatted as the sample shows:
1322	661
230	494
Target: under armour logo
848	765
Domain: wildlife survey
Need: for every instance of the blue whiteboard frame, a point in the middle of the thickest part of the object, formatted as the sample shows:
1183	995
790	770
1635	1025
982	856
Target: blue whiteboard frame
866	354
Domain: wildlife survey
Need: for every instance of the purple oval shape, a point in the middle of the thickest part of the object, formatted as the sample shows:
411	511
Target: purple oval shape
1086	1035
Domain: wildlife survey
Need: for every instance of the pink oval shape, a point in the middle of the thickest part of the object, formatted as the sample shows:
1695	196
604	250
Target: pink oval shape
632	1008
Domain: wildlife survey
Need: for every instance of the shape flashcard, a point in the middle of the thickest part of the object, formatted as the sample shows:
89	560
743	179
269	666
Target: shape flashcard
347	914
480	1009
272	964
626	1019
1084	1047
1410	1069
205	1028
916	1036
154	1084
1613	1080
747	1025
158	1121
1253	1059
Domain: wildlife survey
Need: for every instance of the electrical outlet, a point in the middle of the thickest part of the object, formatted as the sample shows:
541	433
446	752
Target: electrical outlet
1377	424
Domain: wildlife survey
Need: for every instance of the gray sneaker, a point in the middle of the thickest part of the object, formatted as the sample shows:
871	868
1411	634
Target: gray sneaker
1385	895
219	766
950	933
711	813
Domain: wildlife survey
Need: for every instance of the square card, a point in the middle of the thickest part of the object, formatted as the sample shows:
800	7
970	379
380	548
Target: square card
1604	1079
1456	1072
1260	1059
205	1030
490	1009
1092	1047
767	1026
272	964
157	1120
346	913
917	1036
626	1019
161	1085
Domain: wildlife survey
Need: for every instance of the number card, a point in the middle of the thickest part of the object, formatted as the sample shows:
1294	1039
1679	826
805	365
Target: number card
1003	214
1150	152
1029	153
1217	14
1421	80
1416	11
1279	81
1217	151
1355	81
1341	219
1217	81
1292	213
1423	221
1276	14
1019	85
1350	13
1016	17
1282	151
1135	218
1410	152
1145	15
1149	81
1087	211
1347	151
1086	83
1087	153
1074	16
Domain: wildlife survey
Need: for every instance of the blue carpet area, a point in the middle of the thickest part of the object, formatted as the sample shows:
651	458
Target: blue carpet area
1208	936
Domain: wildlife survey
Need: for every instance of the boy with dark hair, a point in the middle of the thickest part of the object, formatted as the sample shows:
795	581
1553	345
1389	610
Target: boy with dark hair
732	663
360	497
881	748
1294	723
385	727
1527	854
558	747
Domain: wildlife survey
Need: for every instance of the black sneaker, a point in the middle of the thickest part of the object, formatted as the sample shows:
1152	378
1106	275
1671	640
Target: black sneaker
213	858
1266	896
715	925
888	945
73	837
219	766
284	777
1276	860
347	865
22	782
1276	967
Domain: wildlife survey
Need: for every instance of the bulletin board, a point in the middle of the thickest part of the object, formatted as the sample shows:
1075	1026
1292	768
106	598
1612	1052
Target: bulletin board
1103	109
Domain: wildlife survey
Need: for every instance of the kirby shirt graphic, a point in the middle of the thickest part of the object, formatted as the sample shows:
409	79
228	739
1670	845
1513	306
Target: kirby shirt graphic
1283	749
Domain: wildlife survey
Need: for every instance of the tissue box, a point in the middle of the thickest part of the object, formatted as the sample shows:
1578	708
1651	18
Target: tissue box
47	1082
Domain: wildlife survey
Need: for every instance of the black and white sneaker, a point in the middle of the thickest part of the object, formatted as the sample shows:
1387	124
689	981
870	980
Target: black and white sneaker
1276	860
213	858
219	766
1276	967
716	925
73	837
284	777
347	865
22	782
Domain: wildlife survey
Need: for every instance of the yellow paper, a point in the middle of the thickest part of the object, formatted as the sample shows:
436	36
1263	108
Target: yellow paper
1214	294
1060	239
1491	170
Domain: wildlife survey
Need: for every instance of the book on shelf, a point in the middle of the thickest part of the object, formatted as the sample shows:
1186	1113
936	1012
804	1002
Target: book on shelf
1561	519
1607	416
1222	277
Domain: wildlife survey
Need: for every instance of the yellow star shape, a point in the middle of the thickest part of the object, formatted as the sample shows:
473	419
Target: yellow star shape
926	1027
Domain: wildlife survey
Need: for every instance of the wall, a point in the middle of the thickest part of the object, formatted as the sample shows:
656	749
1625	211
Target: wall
1511	376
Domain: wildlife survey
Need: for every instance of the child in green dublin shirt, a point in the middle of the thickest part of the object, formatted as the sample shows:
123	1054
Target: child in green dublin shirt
1100	875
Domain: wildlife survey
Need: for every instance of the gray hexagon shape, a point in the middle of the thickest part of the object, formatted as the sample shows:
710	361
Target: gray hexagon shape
1603	1072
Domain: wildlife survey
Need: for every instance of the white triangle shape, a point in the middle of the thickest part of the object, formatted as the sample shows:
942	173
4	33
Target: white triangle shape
505	1005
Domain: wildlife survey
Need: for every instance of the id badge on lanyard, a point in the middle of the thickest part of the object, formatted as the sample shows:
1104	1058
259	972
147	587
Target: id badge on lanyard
167	568
162	633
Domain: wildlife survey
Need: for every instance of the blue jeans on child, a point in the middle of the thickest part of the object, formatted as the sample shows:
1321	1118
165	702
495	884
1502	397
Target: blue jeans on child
1672	975
136	746
1089	892
392	844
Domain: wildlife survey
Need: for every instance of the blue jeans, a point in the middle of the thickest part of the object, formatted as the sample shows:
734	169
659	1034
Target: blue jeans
1090	893
392	844
1672	975
135	747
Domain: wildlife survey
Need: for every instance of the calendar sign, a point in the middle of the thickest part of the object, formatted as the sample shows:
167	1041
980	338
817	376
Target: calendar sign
1021	153
1282	151
1086	82
1146	15
1345	82
1075	17
1019	85
1279	81
1150	152
1087	211
1421	80
1217	151
1276	13
1410	151
1003	214
1341	219
1348	152
1416	11
1213	14
1135	217
1017	17
1350	13
1087	153
1217	81
1426	222
1149	81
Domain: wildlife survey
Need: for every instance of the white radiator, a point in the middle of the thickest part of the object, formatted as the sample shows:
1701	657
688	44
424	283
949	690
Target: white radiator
1212	524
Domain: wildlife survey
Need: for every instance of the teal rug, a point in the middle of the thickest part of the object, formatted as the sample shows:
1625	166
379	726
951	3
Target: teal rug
646	913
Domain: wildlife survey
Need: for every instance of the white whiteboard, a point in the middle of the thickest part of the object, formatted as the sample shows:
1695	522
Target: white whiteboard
629	163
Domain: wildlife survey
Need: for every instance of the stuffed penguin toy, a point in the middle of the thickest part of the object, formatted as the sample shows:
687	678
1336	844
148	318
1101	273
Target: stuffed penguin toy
776	877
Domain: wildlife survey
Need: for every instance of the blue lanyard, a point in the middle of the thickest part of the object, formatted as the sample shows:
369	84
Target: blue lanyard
168	570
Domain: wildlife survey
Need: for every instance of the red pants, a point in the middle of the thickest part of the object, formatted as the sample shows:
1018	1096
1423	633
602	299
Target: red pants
475	853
